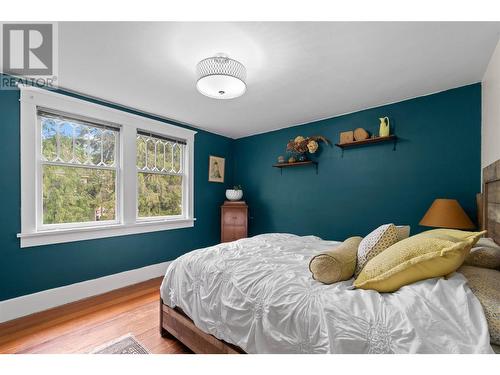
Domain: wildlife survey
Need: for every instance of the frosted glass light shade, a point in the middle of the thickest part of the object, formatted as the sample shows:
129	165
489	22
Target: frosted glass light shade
220	77
221	87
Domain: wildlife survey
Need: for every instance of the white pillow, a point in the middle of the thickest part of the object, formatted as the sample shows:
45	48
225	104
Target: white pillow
373	244
403	231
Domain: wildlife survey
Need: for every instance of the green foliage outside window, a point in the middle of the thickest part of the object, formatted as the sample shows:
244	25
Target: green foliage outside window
75	194
159	185
159	195
78	172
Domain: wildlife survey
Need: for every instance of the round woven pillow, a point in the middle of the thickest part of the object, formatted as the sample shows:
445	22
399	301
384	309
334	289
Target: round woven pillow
337	264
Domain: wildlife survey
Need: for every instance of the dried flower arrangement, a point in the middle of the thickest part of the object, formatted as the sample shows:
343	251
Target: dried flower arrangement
303	145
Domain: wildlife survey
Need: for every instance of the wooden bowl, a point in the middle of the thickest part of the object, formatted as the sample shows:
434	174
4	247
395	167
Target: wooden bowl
360	134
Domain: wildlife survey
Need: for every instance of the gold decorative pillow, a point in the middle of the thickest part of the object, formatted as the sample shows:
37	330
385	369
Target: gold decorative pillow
337	264
426	255
452	234
373	244
486	254
485	284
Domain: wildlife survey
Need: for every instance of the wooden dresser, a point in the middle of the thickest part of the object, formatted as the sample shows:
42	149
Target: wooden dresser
234	221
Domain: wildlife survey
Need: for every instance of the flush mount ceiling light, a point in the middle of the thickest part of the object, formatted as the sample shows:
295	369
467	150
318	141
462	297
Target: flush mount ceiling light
220	77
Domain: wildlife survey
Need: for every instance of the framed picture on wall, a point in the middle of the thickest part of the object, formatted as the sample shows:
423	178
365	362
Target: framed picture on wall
216	169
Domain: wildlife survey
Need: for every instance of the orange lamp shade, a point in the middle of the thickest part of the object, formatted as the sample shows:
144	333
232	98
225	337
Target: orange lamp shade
447	213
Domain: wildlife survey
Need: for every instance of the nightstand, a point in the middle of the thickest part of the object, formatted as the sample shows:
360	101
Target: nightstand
234	221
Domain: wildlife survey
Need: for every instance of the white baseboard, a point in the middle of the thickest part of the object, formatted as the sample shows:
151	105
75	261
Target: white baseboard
44	300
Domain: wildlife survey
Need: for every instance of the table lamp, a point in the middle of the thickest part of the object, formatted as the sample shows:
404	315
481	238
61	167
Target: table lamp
447	213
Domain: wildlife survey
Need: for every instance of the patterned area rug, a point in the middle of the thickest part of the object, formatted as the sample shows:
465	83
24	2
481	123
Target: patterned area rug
123	345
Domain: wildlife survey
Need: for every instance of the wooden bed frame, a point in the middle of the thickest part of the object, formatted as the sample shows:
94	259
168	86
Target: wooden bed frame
174	323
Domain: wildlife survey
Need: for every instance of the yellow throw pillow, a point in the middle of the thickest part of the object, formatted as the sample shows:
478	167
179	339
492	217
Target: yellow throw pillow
337	264
429	254
451	234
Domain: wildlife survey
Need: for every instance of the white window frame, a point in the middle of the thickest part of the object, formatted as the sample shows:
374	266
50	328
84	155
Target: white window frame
127	222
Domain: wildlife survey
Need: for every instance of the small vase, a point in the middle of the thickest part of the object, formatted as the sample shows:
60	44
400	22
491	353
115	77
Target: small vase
302	157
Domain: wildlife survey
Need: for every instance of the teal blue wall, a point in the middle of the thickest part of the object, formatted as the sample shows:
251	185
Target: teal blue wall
438	155
29	270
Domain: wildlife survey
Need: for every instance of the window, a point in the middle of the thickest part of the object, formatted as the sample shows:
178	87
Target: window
159	176
78	166
89	171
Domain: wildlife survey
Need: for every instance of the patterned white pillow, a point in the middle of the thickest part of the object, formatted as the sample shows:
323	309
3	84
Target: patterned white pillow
403	231
373	244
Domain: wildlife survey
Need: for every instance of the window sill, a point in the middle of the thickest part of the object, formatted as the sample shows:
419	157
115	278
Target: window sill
88	233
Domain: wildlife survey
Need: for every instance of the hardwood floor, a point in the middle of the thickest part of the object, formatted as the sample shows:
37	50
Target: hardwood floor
81	326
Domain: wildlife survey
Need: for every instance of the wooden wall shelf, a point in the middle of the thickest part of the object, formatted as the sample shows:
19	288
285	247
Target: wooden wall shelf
369	141
296	164
389	138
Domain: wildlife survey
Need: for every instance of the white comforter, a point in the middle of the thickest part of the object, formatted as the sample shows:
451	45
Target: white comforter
258	294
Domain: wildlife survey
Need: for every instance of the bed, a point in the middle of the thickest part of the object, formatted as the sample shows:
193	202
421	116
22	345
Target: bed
256	295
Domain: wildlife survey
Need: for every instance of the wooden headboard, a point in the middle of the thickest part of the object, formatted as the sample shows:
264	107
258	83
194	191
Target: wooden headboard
491	201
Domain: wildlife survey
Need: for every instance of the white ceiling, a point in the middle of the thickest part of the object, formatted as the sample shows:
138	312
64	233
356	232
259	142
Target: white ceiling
297	72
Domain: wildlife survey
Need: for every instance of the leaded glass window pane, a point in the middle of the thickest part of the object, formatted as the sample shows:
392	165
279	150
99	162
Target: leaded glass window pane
79	165
159	176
